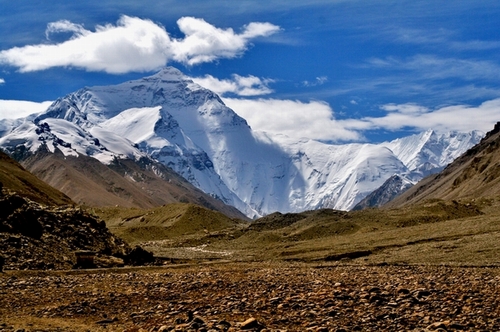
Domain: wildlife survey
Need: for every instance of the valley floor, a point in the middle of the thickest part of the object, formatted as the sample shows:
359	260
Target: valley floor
253	296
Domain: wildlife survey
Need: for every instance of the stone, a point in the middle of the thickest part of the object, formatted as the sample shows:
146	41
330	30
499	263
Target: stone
403	291
139	256
249	324
438	325
233	297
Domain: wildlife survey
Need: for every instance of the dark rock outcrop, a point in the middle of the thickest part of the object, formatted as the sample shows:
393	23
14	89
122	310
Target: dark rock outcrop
33	236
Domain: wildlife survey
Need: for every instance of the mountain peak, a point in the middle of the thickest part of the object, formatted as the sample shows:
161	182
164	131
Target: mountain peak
428	135
169	74
184	126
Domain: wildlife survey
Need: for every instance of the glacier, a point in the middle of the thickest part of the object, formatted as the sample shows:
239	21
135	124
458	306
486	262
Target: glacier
188	128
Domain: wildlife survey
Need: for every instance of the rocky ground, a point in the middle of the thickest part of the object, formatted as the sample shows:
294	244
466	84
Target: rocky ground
253	297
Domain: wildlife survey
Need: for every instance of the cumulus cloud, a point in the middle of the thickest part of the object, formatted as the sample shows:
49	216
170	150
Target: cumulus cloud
314	120
15	109
2	81
134	44
238	85
206	43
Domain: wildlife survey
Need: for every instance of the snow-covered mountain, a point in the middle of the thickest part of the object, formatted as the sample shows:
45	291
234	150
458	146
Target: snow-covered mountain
423	154
429	152
190	129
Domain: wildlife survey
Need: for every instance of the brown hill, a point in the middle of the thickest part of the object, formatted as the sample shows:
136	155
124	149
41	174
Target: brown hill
178	221
127	183
14	178
475	174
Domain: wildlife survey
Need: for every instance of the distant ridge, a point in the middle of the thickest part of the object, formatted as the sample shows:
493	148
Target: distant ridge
475	174
393	187
124	182
14	178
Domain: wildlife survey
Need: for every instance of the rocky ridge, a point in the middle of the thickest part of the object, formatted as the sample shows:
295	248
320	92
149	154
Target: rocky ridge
392	187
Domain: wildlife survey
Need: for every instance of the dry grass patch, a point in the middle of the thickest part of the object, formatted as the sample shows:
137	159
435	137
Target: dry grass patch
435	232
171	221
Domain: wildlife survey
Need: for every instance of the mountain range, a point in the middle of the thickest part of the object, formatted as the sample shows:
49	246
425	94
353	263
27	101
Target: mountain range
475	175
166	121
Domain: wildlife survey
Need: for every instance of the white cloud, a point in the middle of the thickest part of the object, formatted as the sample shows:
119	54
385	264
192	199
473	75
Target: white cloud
315	119
458	117
405	108
134	44
206	43
15	109
2	81
318	81
239	85
295	119
65	26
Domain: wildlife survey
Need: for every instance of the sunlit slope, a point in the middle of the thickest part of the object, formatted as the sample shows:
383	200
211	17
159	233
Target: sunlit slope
171	221
16	179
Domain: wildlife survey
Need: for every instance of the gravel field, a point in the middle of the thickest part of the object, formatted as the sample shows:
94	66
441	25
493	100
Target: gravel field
253	297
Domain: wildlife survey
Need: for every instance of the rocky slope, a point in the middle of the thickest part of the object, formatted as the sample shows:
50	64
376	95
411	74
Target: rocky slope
41	228
15	178
393	187
142	183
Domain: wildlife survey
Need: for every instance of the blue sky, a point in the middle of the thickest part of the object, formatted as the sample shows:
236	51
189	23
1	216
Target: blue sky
338	70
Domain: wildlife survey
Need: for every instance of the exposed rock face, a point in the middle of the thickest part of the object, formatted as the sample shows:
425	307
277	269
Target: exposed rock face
394	186
33	236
